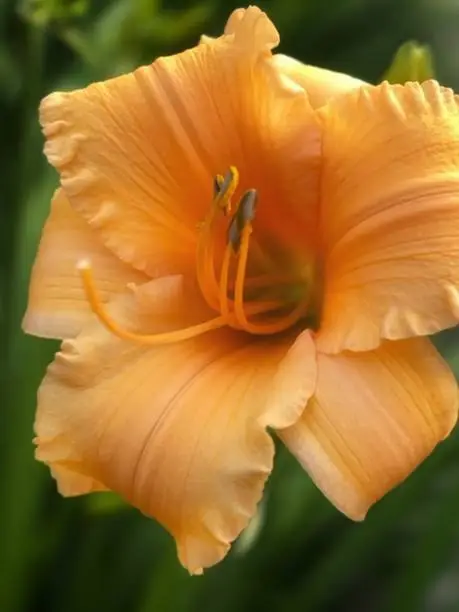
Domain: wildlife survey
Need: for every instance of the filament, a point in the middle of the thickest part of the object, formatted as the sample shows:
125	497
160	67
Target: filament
99	309
276	326
104	317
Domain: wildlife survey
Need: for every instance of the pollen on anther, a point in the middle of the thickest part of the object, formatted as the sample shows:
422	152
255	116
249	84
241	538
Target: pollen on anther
218	184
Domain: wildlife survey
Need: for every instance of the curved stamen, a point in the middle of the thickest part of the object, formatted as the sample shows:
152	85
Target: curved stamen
227	186
104	317
245	212
218	184
223	289
208	287
241	317
99	309
233	312
224	189
227	304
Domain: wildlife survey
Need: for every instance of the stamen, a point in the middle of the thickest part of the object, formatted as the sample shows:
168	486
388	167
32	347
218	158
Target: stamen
206	279
215	292
223	289
245	214
234	235
218	182
104	317
224	188
227	304
97	306
258	328
248	207
227	186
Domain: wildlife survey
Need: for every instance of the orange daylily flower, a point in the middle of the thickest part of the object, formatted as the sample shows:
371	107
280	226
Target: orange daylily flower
242	242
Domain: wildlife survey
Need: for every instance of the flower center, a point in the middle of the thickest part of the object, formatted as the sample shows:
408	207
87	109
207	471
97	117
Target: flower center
263	303
227	294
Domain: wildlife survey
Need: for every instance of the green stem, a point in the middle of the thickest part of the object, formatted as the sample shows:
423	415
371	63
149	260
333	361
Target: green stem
20	486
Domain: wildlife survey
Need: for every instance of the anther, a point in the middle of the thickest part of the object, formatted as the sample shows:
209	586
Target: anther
244	216
223	190
234	235
247	207
226	187
218	183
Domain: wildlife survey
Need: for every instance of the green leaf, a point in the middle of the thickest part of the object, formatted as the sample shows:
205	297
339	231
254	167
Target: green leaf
412	62
249	536
105	503
43	12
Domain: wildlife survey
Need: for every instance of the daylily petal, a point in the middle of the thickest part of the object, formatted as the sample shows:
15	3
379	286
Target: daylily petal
137	154
71	482
375	416
390	214
178	430
57	306
320	84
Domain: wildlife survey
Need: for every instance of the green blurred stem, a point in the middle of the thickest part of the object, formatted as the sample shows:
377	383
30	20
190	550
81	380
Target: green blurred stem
28	136
171	588
34	92
76	41
20	483
432	553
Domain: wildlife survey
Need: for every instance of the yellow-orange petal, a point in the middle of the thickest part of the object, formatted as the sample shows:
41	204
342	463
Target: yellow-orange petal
320	84
71	482
137	154
179	430
57	306
390	214
375	416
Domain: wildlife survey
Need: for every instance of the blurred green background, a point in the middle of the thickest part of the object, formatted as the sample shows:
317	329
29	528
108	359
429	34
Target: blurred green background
94	554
